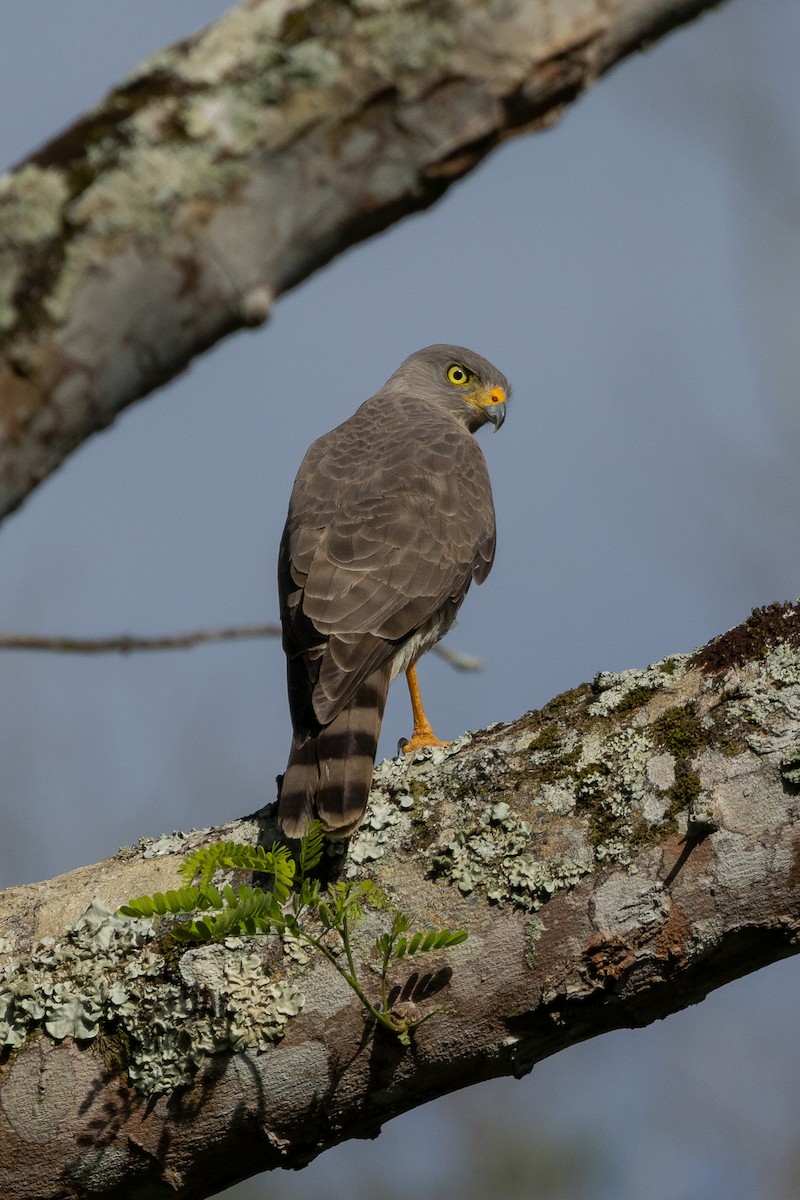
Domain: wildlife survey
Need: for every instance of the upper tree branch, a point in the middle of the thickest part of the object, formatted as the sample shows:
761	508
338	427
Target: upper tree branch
229	167
614	857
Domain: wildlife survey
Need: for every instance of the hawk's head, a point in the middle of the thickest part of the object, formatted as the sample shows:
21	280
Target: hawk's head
459	379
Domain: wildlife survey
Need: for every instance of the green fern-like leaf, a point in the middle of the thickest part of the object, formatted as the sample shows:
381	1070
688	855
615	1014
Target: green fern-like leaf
203	863
374	896
348	899
308	896
182	900
450	937
194	931
434	939
246	911
240	856
312	846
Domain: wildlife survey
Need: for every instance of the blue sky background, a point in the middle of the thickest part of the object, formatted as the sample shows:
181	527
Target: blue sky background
636	273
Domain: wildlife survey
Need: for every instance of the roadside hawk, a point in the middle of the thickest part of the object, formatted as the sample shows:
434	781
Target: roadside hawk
390	520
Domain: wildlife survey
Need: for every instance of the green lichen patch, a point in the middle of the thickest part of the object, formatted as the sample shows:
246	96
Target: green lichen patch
30	205
624	691
789	767
593	798
147	182
724	730
679	731
637	697
394	799
109	977
617	807
410	43
765	628
766	703
548	739
567	700
682	733
499	855
558	767
685	791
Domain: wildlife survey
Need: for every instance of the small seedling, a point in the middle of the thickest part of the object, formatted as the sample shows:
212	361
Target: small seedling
297	905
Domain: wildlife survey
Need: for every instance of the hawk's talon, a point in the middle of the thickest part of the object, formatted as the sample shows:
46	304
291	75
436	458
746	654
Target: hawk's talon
420	740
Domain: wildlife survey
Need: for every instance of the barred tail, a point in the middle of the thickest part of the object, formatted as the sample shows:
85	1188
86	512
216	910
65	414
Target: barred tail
329	775
299	787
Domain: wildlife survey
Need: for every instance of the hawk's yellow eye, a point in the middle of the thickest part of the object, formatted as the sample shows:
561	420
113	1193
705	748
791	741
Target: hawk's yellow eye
458	375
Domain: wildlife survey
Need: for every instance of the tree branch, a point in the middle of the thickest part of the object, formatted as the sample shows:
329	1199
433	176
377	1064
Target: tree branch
614	857
226	169
128	643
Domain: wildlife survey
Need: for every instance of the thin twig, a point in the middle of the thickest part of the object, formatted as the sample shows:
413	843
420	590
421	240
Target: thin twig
127	643
457	659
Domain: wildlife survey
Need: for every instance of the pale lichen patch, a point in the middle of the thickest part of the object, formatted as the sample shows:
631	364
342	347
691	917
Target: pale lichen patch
168	843
31	200
312	64
221	119
400	798
580	784
769	701
661	771
109	973
498	854
139	194
624	690
387	820
402	47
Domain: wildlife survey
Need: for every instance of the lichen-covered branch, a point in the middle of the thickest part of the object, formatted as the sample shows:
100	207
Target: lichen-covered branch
613	856
227	168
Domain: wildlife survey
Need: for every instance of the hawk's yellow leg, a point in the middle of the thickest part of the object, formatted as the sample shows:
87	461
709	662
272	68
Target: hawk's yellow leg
423	735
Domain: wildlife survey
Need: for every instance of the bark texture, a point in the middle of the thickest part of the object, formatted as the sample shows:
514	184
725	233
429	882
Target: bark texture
229	167
614	857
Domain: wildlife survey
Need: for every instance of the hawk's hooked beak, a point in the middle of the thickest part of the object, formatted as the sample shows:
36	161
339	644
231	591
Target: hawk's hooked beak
493	406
